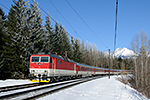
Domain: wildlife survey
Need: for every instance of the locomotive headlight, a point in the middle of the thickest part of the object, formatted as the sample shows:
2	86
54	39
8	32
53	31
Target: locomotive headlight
32	71
45	72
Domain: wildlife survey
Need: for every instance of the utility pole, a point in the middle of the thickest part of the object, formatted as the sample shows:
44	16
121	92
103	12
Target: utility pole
109	63
117	68
66	53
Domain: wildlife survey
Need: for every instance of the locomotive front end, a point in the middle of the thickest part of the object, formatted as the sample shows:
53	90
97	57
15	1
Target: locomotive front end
39	68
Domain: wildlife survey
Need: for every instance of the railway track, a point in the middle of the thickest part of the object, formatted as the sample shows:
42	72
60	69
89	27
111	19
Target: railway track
39	91
15	87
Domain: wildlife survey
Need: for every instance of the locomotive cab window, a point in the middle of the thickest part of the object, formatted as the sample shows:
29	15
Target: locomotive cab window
44	59
35	59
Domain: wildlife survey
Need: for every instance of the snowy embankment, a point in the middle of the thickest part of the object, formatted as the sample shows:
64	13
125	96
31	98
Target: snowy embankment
99	89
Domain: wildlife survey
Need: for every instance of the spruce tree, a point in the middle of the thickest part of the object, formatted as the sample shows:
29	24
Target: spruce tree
58	40
62	43
62	39
71	56
3	35
18	33
2	27
36	29
76	50
65	43
25	32
67	46
49	36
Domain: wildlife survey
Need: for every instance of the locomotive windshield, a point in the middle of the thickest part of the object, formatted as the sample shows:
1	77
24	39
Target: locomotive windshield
39	59
35	59
44	59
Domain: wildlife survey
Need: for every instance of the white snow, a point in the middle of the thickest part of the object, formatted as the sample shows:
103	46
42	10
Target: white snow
99	89
11	82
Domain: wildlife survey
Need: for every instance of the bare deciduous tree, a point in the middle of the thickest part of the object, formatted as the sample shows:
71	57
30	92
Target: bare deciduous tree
141	46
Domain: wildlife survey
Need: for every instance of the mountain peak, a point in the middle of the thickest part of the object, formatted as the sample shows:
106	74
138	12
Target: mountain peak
123	53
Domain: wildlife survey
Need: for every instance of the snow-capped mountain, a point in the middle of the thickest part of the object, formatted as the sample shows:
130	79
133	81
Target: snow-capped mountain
123	53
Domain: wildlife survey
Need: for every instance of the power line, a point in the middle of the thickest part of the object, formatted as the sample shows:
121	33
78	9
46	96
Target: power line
116	25
85	23
4	6
65	19
47	13
41	9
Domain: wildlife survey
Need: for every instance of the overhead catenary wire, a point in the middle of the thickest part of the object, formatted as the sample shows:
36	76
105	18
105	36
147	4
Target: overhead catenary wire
86	24
65	19
4	6
41	9
47	13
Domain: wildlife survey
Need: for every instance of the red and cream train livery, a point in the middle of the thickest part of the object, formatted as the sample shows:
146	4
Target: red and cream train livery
49	67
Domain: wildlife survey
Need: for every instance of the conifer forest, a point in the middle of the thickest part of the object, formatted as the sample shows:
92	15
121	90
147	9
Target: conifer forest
23	32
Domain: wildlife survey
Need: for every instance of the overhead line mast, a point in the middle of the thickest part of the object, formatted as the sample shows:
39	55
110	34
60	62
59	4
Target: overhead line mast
116	25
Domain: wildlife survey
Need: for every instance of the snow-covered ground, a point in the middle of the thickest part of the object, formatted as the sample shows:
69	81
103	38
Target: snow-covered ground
99	89
11	82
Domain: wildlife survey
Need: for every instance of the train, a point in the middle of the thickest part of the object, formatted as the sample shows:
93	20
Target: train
52	67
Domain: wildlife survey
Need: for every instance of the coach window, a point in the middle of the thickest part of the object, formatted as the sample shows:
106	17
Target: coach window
57	61
60	62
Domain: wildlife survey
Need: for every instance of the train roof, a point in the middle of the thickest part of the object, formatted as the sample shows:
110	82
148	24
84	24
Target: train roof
101	68
56	56
83	65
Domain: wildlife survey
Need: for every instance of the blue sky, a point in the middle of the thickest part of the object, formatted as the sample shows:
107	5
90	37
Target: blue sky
133	17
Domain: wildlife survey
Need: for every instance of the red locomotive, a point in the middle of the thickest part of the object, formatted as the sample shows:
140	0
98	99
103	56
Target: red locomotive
50	67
